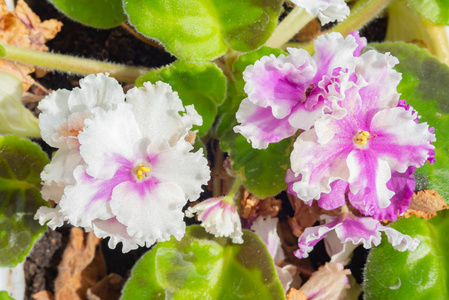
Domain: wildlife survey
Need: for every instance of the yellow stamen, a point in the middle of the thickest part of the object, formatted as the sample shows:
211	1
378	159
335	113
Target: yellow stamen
141	171
362	137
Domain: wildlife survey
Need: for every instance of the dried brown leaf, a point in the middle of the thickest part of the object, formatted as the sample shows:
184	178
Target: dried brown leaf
427	201
109	288
81	267
252	207
24	29
43	295
294	294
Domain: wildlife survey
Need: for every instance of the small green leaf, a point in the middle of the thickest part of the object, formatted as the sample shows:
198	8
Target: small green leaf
435	11
419	274
262	171
96	13
204	29
2	51
203	267
14	117
21	163
425	85
200	84
4	296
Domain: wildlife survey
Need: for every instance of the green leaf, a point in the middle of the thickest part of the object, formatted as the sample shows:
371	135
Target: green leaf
405	24
203	267
2	51
419	274
262	171
4	296
435	11
425	85
21	163
96	13
201	30
200	84
14	117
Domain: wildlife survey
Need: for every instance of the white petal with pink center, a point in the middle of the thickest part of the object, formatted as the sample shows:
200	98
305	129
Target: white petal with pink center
219	218
135	174
327	10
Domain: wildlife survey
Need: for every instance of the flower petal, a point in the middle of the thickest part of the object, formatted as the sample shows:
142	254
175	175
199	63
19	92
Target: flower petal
108	137
279	83
402	184
54	113
54	215
377	69
327	10
151	215
312	236
87	199
362	230
400	140
399	241
259	125
177	165
153	103
98	90
319	164
116	232
368	181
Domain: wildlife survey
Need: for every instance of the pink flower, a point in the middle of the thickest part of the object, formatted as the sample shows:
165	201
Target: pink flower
291	92
348	228
367	151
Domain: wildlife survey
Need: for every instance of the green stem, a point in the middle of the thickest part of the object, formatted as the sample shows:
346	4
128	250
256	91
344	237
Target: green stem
72	64
362	13
289	27
235	188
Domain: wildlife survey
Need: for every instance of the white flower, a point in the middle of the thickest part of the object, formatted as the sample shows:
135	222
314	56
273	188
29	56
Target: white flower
327	10
61	121
136	170
219	217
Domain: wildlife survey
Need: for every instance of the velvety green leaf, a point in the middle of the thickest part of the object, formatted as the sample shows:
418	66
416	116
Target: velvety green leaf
205	29
2	51
425	85
14	117
435	11
419	274
200	84
95	13
262	171
21	163
203	267
4	296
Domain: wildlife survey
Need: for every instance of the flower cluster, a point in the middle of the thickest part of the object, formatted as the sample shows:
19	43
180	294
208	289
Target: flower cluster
123	167
360	144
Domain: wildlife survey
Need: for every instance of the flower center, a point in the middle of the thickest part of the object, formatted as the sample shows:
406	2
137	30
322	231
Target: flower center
141	171
362	138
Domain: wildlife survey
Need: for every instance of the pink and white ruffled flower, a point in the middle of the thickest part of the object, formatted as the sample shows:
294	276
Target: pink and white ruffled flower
288	93
137	170
327	10
348	228
369	151
219	217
